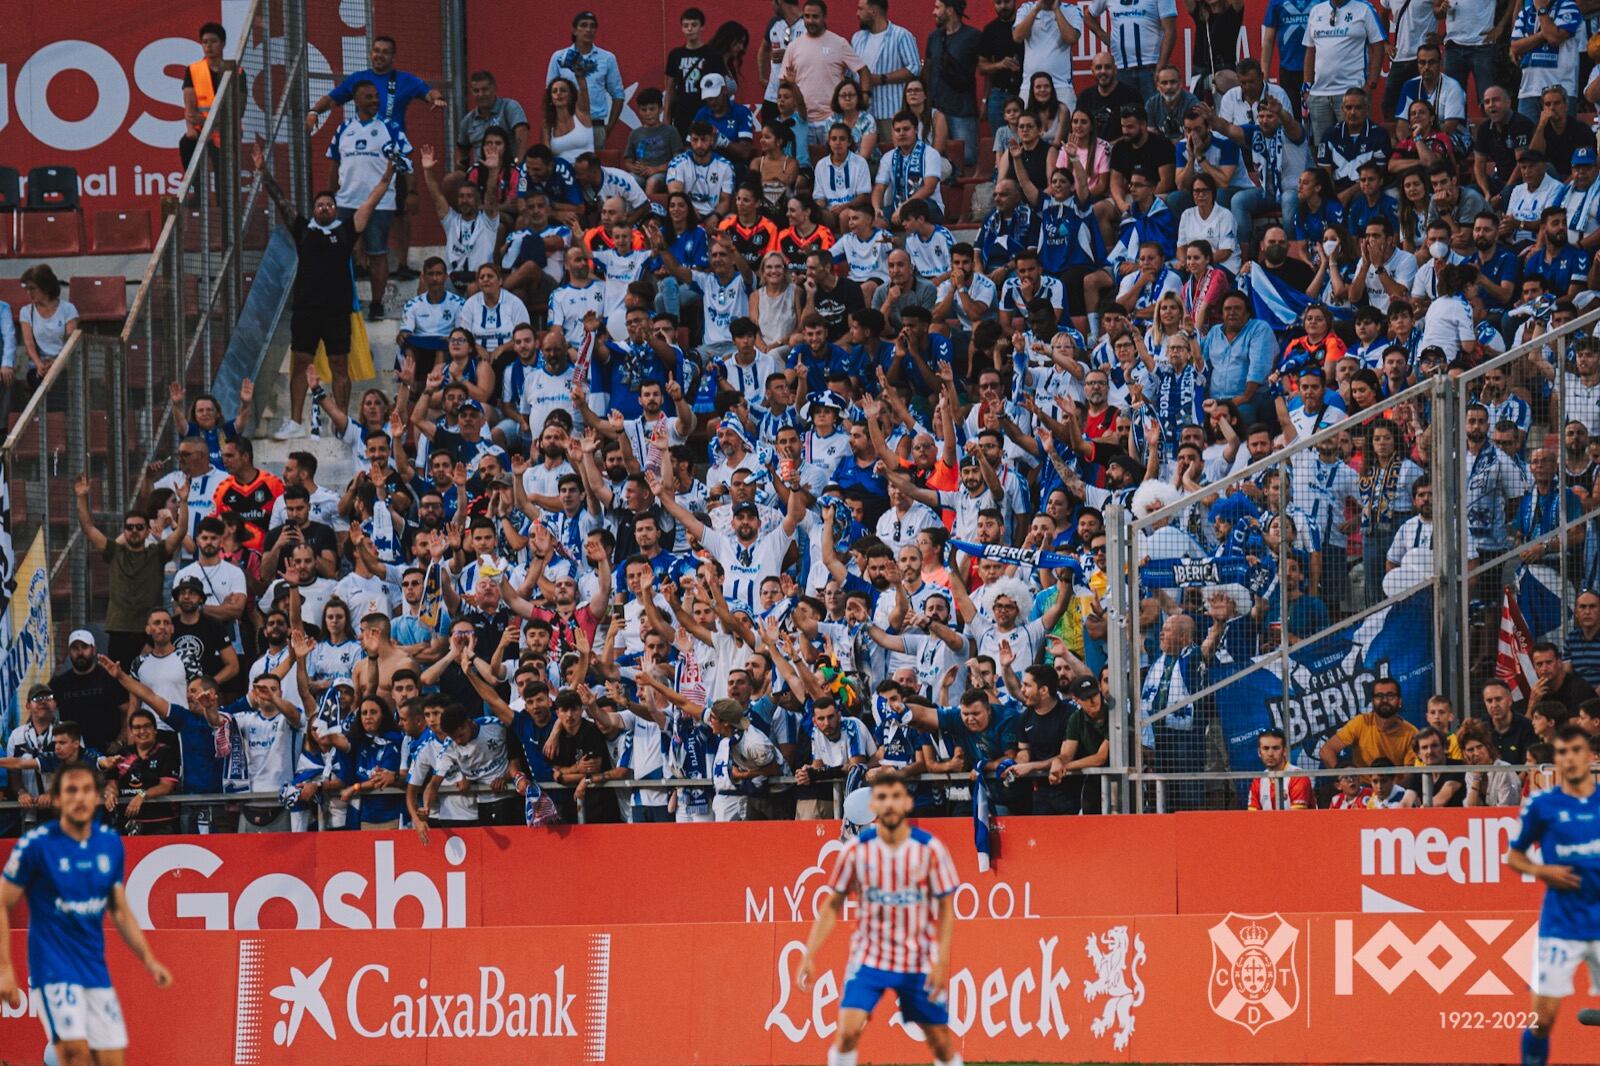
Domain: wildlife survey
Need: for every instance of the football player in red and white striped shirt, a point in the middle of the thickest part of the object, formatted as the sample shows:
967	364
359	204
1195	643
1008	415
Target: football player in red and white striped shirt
905	881
1278	791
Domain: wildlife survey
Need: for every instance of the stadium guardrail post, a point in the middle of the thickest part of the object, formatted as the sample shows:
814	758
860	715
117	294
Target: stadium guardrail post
1452	624
1121	648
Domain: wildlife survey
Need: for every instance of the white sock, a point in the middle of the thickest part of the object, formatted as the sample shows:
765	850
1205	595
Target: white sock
1094	324
841	1058
953	1060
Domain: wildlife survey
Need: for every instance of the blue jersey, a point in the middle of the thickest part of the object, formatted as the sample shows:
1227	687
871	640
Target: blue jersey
68	886
1567	829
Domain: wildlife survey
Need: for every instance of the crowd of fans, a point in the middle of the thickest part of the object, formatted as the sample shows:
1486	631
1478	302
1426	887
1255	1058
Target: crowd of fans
732	460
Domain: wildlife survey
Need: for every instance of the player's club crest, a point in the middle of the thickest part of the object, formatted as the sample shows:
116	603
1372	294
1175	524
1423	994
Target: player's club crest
1253	978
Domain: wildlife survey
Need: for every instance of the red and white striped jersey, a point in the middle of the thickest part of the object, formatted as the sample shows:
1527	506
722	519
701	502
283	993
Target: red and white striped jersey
1281	792
898	928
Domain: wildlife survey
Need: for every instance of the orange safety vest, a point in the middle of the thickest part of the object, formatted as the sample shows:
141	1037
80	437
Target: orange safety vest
205	91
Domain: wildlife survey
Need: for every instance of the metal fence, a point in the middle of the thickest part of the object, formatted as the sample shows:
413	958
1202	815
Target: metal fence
1276	595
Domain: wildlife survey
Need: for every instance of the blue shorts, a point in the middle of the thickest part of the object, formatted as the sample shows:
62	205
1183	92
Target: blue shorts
865	985
375	238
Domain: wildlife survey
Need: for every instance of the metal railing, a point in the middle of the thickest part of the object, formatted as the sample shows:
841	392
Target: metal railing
1302	654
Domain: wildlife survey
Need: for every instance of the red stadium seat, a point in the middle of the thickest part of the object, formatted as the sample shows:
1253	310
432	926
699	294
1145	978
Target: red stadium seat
125	232
100	299
955	205
50	233
611	157
14	295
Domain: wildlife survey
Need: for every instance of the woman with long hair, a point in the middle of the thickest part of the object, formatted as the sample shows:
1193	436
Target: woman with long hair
1426	145
47	321
776	306
776	164
1088	149
1204	287
495	164
492	313
689	245
1387	479
1046	106
731	42
849	109
568	129
804	233
1449	322
336	653
1318	348
1415	203
1317	208
374	742
1361	391
1166	320
933	128
1336	260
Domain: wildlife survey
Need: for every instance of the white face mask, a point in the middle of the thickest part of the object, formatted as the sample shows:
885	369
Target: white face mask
1438	249
1329	247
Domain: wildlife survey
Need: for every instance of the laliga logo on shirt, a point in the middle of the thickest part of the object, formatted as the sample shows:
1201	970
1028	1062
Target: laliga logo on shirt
1253	978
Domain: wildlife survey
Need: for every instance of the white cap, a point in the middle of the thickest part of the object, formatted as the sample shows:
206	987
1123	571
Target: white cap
81	636
712	85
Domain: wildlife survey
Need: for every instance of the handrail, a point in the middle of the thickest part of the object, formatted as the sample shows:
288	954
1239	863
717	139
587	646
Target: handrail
30	411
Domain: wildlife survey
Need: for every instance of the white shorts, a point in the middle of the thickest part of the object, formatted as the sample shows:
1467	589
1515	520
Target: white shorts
72	1013
1556	960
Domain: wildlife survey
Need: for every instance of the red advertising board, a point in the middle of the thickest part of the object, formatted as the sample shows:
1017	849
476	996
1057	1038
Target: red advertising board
644	32
1233	987
98	87
764	873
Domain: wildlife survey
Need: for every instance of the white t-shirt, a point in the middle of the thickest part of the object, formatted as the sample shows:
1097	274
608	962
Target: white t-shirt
220	580
568	305
930	258
1402	266
1045	51
269	748
704	183
1236	109
493	326
422	317
481	760
840	183
867	258
746	566
931	164
751	380
1136	29
49	334
1218	231
1024	638
621	269
620	183
1466	22
165	675
544	393
469	242
645	753
898	531
1341	34
1447	324
722	303
357	147
324	508
202	491
981	290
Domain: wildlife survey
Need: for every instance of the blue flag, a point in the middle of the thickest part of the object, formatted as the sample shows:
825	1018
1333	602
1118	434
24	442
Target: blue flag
985	838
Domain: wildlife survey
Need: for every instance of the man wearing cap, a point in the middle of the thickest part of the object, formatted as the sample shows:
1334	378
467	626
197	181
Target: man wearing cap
583	58
747	558
745	757
88	695
1582	202
33	739
1535	190
733	123
1085	745
201	642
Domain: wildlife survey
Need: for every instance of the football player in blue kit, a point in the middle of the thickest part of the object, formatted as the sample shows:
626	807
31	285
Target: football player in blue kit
1565	822
70	872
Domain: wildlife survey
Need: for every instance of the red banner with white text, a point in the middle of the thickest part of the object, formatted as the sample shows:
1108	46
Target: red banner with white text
1233	987
762	873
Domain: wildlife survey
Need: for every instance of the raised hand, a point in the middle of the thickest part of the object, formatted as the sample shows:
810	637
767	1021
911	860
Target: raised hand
247	392
428	157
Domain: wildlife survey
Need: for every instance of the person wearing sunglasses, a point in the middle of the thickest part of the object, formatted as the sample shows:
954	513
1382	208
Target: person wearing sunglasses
137	565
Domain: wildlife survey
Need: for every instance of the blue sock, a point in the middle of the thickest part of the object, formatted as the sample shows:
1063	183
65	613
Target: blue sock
1535	1049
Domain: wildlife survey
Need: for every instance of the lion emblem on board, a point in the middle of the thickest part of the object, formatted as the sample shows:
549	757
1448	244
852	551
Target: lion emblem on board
1116	976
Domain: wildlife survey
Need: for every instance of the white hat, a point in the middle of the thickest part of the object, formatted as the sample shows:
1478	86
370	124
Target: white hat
712	85
81	636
